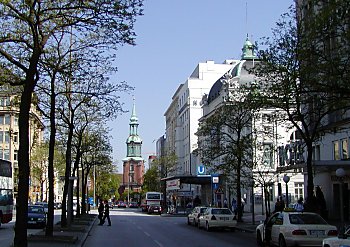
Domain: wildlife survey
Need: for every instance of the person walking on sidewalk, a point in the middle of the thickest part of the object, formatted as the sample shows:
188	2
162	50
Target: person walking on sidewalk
106	214
100	212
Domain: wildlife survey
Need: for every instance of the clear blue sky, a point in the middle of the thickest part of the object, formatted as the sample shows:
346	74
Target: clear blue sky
172	38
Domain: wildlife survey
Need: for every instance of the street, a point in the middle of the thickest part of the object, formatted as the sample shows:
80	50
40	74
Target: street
130	227
7	232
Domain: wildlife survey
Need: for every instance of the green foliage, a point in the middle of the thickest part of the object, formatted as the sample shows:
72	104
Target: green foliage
225	138
166	164
39	160
107	182
151	180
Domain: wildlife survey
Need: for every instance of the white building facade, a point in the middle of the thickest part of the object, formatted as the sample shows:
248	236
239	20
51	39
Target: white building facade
270	135
182	123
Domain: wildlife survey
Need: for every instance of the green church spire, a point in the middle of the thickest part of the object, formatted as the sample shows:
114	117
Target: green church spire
248	50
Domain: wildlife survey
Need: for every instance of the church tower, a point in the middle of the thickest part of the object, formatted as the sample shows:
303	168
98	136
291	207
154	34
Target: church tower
133	164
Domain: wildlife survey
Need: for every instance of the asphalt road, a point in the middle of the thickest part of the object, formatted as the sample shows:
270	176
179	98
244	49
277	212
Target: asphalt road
132	228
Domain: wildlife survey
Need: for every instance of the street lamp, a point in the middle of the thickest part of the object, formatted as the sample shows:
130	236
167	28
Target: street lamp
286	179
340	173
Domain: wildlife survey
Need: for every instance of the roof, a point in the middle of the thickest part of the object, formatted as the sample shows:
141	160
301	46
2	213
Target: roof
190	179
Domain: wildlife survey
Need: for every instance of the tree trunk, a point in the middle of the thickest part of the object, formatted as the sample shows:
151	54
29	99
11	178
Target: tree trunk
67	175
239	194
310	200
51	175
20	239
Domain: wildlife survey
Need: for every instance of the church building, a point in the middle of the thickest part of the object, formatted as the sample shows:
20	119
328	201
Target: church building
133	164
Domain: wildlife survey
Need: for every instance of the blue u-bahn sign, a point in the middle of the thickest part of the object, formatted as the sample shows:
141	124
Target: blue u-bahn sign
201	170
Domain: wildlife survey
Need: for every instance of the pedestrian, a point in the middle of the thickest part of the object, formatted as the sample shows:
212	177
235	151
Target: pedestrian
196	201
106	214
234	206
100	212
299	206
321	203
225	203
278	206
242	205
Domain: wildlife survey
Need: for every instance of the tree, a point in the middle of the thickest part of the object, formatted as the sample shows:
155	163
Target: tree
225	139
29	28
166	166
294	78
151	179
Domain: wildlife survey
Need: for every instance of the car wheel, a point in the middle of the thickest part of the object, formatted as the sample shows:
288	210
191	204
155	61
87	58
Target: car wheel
207	227
282	242
259	239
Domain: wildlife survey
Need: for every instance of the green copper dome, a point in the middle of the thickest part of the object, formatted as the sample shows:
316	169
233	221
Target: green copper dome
248	50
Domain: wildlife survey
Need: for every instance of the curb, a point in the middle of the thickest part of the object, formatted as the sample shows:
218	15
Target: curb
87	233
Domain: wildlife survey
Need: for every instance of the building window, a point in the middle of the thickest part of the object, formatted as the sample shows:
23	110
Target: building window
298	190
15	120
15	155
336	155
15	137
7	136
344	149
7	119
6	154
131	167
268	155
317	152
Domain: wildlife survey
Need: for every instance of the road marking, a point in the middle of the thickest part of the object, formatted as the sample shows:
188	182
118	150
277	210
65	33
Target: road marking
159	244
147	234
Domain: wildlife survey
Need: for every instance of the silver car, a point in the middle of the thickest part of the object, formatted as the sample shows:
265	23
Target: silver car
193	216
217	218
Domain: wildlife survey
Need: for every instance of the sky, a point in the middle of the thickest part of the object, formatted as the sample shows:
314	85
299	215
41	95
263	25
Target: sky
173	36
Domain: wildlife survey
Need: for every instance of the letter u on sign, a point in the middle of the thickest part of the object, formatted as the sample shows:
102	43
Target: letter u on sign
201	170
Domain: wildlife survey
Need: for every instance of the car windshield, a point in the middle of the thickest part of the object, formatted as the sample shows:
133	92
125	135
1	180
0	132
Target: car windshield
35	210
306	219
221	211
203	210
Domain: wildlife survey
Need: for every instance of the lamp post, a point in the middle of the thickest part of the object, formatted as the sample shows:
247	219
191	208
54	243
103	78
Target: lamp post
340	173
286	179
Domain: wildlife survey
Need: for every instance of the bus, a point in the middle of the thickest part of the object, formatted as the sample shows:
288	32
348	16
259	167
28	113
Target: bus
151	198
6	191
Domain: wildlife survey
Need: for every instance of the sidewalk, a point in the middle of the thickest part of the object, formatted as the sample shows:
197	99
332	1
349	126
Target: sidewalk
75	235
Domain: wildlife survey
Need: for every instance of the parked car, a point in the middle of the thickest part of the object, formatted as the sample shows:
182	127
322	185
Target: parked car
155	209
121	204
36	216
111	205
339	241
44	205
217	218
193	216
133	205
294	229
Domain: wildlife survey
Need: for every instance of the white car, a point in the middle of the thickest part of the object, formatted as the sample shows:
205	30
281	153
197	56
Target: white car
337	241
294	229
217	218
192	218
